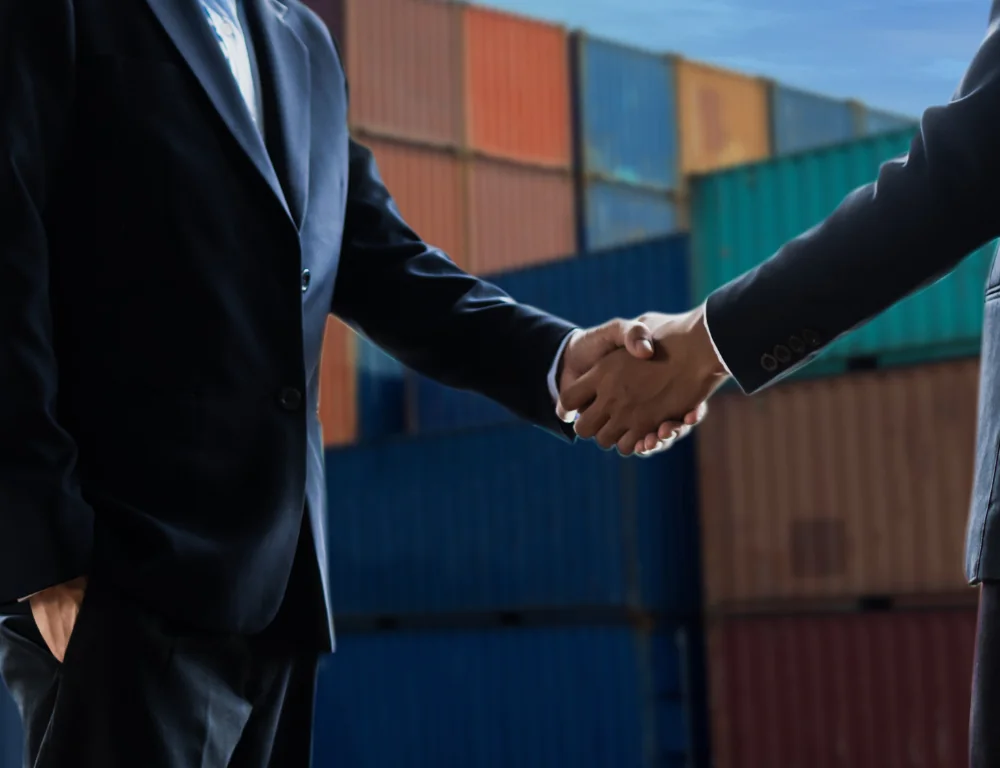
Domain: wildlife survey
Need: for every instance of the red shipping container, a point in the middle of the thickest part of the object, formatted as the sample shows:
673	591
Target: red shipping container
870	690
338	385
428	187
519	216
517	88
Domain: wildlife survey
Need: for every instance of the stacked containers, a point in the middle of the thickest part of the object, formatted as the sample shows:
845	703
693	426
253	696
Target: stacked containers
801	120
833	509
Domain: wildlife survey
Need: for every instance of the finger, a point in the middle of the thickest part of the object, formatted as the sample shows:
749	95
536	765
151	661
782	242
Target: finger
609	435
668	428
696	416
591	421
658	448
638	340
567	416
579	395
627	444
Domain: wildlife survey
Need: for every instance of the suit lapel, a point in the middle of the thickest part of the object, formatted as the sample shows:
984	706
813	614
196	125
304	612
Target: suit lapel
283	62
184	22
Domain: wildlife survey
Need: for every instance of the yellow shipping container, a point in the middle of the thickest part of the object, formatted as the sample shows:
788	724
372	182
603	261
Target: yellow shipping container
723	118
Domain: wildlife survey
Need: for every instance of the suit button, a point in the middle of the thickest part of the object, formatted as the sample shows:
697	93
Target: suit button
811	337
782	354
768	363
290	399
306	278
796	344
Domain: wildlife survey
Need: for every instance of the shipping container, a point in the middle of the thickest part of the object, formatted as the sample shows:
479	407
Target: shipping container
519	216
517	94
872	122
864	690
801	120
626	114
742	216
588	290
403	59
429	189
509	520
381	393
723	117
595	696
857	485
620	214
11	733
338	385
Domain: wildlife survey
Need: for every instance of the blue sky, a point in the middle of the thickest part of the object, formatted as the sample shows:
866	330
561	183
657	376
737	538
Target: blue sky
901	55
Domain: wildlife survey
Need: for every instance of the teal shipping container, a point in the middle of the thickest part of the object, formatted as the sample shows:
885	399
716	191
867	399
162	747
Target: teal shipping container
802	121
743	215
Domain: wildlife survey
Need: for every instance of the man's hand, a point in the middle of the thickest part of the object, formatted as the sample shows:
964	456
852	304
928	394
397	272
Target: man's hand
623	401
55	610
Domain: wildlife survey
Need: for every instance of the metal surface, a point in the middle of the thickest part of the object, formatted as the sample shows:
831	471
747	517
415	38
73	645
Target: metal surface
742	216
427	185
509	519
338	385
842	691
802	121
723	117
855	485
381	393
586	290
617	214
626	114
517	95
602	697
871	122
11	732
519	216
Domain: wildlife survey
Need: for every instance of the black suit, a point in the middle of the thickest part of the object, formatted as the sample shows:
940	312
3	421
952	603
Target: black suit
166	274
923	215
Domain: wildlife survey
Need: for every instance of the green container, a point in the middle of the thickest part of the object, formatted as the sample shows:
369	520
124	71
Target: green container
743	215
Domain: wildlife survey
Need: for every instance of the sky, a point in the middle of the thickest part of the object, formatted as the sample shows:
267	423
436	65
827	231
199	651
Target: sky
898	55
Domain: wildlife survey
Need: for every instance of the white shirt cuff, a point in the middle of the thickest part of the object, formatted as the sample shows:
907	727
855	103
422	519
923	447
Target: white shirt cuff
553	384
718	354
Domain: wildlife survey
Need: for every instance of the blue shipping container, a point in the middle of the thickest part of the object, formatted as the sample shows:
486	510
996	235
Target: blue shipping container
617	214
626	121
11	732
874	122
623	282
381	393
801	120
510	520
600	697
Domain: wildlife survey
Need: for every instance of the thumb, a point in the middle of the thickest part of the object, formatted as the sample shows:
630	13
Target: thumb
638	339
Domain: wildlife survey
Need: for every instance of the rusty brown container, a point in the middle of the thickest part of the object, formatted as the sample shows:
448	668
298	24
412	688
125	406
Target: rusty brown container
857	485
428	186
338	385
842	691
517	88
723	118
519	216
403	61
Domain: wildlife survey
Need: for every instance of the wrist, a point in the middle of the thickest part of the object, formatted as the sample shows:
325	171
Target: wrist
707	357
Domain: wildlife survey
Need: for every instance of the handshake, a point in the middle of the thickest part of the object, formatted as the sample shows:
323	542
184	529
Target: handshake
639	385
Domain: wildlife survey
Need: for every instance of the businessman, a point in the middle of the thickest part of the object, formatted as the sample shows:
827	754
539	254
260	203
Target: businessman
181	207
922	216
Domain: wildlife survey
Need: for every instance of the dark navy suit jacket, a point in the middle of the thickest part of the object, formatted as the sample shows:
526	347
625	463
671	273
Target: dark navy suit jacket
922	216
165	279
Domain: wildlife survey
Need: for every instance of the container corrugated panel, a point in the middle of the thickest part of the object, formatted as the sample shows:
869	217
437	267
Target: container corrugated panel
623	282
742	216
602	697
626	103
723	118
519	216
509	519
517	94
428	187
864	690
874	122
338	385
801	120
618	214
11	733
854	485
403	60
381	392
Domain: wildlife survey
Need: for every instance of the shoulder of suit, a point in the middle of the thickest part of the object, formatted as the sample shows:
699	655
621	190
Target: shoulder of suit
312	20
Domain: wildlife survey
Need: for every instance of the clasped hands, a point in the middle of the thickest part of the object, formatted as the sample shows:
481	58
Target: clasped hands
639	385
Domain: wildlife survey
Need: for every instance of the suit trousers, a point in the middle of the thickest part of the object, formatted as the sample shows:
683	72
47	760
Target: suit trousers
984	730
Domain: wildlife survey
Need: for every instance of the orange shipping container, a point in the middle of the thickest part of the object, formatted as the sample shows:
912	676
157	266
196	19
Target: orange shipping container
723	118
403	61
837	488
338	385
428	187
517	90
519	216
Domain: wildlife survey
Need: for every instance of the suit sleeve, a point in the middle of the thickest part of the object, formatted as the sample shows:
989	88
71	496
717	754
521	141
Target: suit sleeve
925	212
411	300
47	526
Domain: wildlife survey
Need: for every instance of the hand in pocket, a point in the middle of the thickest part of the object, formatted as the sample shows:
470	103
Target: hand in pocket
55	610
